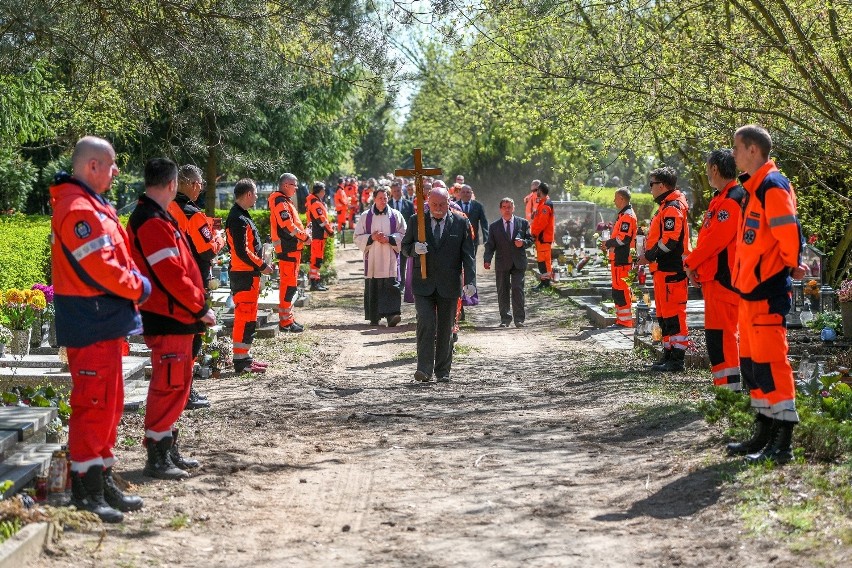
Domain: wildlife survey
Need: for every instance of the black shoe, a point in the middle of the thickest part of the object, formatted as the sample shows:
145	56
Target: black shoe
87	494
292	328
779	450
394	320
504	324
374	322
316	286
444	379
196	401
179	460
116	498
661	362
520	324
758	440
160	464
421	377
675	364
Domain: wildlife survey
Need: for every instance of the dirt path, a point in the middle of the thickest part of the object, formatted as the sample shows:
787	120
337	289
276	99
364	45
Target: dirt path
542	451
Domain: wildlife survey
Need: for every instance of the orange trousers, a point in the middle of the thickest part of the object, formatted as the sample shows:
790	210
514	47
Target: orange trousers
766	372
171	377
621	294
670	295
317	252
97	403
342	217
721	307
288	272
544	257
245	287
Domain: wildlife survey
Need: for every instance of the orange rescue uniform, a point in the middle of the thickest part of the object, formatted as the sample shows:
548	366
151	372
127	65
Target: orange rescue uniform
543	229
620	263
288	238
712	260
317	215
769	246
667	244
341	206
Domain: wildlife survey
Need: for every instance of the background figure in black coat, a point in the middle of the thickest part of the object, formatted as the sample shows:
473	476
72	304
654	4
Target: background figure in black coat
511	262
406	208
436	297
475	214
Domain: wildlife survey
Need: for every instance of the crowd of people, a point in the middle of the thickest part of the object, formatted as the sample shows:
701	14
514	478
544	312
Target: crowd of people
154	278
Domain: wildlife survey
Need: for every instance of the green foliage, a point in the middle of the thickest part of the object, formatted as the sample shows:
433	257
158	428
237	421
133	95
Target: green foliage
824	320
8	528
24	250
17	176
643	203
41	396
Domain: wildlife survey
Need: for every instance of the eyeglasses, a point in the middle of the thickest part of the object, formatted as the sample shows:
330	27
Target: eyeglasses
653	183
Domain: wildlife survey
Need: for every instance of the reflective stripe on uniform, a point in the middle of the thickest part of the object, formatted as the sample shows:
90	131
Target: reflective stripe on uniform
276	243
242	345
783	220
663	247
162	254
92	246
726	372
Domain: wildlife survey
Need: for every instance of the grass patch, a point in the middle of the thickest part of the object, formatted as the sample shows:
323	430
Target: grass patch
403	355
179	522
465	349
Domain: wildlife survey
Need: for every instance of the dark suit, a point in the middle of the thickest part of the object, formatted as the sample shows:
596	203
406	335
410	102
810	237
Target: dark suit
406	209
476	214
510	266
436	297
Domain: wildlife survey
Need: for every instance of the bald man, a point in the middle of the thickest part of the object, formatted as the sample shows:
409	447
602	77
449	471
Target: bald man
98	289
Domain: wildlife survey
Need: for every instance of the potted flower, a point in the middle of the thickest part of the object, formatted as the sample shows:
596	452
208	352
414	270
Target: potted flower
811	290
844	298
44	329
20	308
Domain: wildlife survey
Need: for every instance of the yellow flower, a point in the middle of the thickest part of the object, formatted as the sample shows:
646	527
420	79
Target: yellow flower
15	296
37	299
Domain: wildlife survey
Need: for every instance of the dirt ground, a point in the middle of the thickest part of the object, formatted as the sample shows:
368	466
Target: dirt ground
542	451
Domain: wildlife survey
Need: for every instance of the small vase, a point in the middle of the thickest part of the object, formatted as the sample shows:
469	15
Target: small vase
20	346
846	315
51	337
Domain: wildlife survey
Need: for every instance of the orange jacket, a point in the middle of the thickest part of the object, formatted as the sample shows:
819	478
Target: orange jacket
668	235
530	203
178	301
244	242
341	199
317	215
96	282
769	238
543	226
623	237
288	233
193	223
714	253
352	193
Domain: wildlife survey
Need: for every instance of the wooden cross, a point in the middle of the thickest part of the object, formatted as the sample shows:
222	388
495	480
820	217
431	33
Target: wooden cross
418	172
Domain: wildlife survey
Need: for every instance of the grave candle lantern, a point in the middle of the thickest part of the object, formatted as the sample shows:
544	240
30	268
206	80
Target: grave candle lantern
826	299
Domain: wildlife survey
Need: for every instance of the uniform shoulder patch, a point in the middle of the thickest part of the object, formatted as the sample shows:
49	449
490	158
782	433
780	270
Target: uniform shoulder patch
723	215
82	229
285	215
625	226
205	232
669	224
749	236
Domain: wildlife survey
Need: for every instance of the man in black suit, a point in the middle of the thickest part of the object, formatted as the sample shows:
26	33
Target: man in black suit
448	249
509	236
475	213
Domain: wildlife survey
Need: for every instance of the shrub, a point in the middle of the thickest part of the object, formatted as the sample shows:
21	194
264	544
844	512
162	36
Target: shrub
24	250
17	176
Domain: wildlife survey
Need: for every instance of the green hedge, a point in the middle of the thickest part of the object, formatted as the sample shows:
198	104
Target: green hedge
24	250
643	203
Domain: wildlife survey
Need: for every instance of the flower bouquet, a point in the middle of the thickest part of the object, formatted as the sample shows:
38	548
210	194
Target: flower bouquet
20	309
844	297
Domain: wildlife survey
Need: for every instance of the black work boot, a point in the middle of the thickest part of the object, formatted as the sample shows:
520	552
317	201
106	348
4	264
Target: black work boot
116	498
87	494
780	447
675	362
160	464
663	360
758	440
316	286
196	400
180	461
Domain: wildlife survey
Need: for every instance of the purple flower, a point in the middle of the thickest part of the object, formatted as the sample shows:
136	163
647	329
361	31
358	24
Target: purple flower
824	394
48	291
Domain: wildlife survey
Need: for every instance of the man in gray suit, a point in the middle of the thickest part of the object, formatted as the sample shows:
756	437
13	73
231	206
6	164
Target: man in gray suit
475	213
448	253
509	236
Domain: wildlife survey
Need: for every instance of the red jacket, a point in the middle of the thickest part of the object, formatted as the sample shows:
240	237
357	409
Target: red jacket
177	301
769	238
96	282
714	253
668	235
